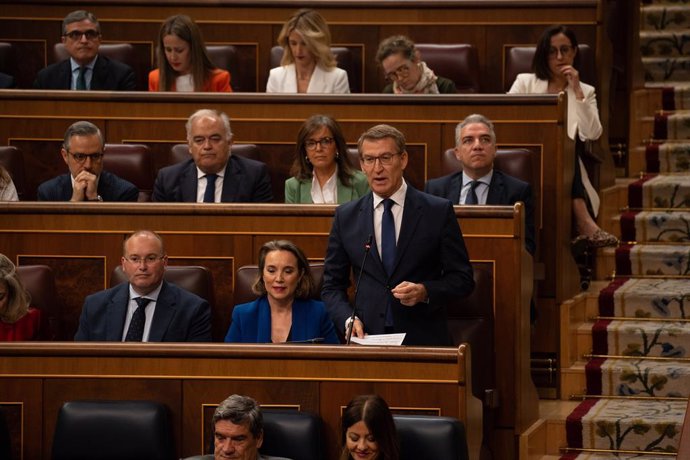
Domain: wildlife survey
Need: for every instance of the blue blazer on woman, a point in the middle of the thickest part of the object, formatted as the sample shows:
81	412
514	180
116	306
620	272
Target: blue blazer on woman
251	322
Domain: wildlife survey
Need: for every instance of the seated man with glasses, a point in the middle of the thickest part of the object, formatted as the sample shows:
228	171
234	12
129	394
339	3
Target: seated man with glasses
148	308
212	174
85	69
82	151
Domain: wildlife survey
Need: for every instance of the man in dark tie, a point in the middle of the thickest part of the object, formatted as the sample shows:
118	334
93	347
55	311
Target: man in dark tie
418	257
82	152
213	174
479	182
148	308
85	69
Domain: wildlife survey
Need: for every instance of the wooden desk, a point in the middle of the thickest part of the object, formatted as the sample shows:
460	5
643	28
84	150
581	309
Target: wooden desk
33	27
35	122
191	379
83	242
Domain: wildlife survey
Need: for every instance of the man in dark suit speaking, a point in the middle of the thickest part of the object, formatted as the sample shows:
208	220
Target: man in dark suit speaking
85	69
148	308
418	258
479	182
213	174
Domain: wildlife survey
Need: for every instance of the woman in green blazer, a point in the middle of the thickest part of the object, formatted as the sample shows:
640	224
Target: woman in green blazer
321	172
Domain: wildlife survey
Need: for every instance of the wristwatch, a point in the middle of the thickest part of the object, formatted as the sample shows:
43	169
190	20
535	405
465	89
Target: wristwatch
98	198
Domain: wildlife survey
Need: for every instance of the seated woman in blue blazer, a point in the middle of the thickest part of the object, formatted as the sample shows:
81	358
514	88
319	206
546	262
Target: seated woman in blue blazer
283	312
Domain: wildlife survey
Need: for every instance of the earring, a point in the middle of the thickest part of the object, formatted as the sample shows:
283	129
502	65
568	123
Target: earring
337	155
306	158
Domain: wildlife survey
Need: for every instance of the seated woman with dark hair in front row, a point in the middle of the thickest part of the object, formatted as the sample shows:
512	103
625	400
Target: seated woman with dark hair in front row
283	312
368	430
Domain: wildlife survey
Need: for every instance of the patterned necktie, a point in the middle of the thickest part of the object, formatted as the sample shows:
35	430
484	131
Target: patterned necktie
81	79
471	197
135	333
210	192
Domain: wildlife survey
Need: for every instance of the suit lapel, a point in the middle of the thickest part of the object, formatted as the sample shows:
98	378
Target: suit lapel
231	181
65	74
166	306
454	188
344	193
495	189
366	221
188	183
413	213
305	192
263	334
100	73
117	311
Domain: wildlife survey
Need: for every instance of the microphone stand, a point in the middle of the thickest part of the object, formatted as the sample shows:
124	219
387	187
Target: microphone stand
367	248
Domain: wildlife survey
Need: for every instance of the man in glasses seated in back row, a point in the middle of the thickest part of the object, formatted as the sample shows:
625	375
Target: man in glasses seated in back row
85	69
82	151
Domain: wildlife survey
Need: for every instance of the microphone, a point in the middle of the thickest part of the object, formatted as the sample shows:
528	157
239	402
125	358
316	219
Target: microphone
367	248
314	340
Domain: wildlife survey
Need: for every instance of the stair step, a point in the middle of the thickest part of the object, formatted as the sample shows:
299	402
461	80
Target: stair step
666	17
666	43
626	424
667	339
638	377
645	297
666	69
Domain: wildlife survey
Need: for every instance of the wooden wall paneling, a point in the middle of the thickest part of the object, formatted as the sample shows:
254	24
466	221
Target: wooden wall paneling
487	26
21	401
191	378
75	278
32	55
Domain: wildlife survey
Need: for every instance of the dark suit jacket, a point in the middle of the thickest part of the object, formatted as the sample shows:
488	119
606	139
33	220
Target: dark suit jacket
6	81
251	322
108	75
110	188
180	316
430	251
503	190
245	181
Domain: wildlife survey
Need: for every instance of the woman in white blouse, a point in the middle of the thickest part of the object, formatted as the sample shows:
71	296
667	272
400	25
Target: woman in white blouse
555	70
308	65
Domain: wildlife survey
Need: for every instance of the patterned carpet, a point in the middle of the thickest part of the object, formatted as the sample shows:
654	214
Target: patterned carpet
638	378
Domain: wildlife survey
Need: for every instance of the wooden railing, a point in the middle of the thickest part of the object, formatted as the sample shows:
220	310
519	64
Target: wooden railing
191	379
82	243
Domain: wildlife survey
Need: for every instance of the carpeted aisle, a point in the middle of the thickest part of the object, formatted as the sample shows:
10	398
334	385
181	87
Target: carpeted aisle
638	380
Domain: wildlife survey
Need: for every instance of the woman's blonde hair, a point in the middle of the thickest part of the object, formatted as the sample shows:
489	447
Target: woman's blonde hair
17	298
313	28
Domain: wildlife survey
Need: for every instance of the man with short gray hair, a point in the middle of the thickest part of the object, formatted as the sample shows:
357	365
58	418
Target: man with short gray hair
238	431
212	174
85	69
83	151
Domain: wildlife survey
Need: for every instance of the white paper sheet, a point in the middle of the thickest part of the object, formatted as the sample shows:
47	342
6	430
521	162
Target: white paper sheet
380	339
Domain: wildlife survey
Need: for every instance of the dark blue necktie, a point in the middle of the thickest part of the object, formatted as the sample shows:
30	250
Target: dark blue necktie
81	78
471	197
388	236
210	192
135	333
388	248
